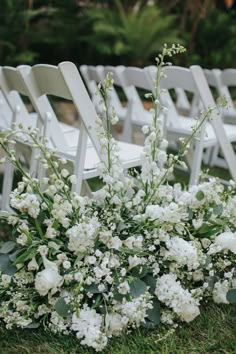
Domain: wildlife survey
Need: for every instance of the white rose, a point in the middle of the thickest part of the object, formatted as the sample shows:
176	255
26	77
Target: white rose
220	292
227	240
188	312
33	265
46	280
115	243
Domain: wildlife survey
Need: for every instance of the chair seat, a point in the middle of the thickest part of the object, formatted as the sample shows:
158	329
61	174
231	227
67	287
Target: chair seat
184	128
141	118
130	156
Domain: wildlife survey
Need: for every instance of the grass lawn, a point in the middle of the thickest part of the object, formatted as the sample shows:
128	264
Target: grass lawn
213	332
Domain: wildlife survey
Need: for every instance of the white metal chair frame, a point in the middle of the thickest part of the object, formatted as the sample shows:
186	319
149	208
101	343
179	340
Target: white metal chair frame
193	80
64	81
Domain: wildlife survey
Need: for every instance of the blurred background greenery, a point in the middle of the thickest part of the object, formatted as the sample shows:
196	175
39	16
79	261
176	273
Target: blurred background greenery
128	32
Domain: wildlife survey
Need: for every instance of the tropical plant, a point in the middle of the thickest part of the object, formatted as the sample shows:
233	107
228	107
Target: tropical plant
130	35
214	44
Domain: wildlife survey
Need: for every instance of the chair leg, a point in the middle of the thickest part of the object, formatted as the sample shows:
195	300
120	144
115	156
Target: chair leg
7	185
214	155
86	190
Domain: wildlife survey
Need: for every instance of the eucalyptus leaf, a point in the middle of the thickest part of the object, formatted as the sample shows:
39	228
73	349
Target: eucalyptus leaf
93	288
6	266
140	271
211	281
14	255
154	314
151	282
62	308
200	195
218	209
231	296
137	287
7	247
33	325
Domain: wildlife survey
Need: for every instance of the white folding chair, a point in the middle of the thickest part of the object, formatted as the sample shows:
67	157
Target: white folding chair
93	75
221	81
133	114
65	82
136	114
12	86
224	81
212	132
5	112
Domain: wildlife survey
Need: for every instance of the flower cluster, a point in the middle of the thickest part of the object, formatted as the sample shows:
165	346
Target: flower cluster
138	252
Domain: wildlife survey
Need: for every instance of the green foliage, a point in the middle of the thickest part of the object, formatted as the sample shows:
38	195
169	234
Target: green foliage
214	45
132	36
231	296
62	308
6	266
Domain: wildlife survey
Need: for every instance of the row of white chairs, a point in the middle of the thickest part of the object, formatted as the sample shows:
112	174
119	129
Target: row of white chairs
180	115
82	147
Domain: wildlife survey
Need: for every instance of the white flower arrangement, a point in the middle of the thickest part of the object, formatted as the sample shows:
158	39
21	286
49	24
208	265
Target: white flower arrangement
139	252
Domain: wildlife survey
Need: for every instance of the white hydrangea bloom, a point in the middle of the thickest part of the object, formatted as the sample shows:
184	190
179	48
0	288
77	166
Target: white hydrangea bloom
88	327
172	294
220	292
171	213
115	323
82	236
26	203
224	241
135	311
182	252
47	279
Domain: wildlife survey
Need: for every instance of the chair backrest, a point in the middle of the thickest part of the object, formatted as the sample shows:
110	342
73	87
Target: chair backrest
136	77
5	112
16	84
227	79
65	82
11	86
129	89
194	80
133	79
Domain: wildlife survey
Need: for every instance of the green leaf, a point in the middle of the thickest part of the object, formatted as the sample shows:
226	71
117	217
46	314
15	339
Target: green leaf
151	282
97	301
218	209
211	281
190	214
7	247
231	296
62	308
25	256
33	325
93	288
137	287
6	265
14	255
38	227
154	314
200	195
207	230
56	225
140	271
